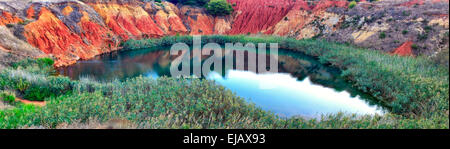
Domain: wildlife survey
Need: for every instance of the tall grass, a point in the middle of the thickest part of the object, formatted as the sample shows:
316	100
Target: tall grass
31	79
181	104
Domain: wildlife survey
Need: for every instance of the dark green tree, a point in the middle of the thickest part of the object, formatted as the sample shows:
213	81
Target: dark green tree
190	2
219	8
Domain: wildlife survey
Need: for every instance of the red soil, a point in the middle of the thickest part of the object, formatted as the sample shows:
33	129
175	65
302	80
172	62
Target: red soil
36	103
324	4
30	12
255	16
405	49
412	3
52	36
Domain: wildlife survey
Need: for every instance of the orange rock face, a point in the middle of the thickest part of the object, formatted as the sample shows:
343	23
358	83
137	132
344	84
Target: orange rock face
8	18
167	18
30	12
98	36
198	21
254	16
128	21
52	36
405	49
80	30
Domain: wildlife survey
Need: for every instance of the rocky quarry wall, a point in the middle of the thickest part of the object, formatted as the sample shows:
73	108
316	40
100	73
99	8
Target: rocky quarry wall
70	30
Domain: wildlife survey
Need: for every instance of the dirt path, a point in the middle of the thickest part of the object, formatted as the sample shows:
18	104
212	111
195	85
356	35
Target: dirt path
36	103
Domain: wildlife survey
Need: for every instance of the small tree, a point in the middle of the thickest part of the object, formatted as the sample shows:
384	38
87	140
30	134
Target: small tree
352	4
190	2
219	8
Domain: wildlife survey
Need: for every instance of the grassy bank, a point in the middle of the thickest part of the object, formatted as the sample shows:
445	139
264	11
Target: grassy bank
415	88
412	85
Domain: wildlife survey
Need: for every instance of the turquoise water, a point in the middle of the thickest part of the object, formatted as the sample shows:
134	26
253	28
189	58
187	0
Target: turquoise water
302	87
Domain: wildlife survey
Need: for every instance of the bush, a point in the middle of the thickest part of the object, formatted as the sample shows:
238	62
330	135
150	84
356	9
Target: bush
404	32
219	8
415	47
382	35
352	4
9	25
7	97
30	79
423	36
190	2
45	61
50	87
37	93
36	66
17	117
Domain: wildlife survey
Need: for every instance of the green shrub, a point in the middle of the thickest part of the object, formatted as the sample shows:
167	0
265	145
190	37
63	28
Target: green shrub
60	85
9	25
219	8
423	36
428	28
17	117
36	66
45	61
404	32
37	93
405	13
22	85
7	97
190	2
414	47
382	35
25	22
50	87
30	79
352	4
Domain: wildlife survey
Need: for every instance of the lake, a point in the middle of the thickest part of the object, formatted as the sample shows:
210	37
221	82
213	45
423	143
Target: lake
301	87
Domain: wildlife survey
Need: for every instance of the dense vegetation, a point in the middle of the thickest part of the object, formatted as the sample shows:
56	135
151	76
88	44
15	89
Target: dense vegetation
190	2
219	8
29	79
213	7
416	89
352	4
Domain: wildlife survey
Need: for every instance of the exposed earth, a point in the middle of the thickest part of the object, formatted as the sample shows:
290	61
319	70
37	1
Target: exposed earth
70	30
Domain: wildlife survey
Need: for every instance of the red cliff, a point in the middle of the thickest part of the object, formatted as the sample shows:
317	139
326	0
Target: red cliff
73	30
128	21
254	16
52	36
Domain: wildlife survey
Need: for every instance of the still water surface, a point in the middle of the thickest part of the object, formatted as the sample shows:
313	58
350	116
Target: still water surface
302	87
